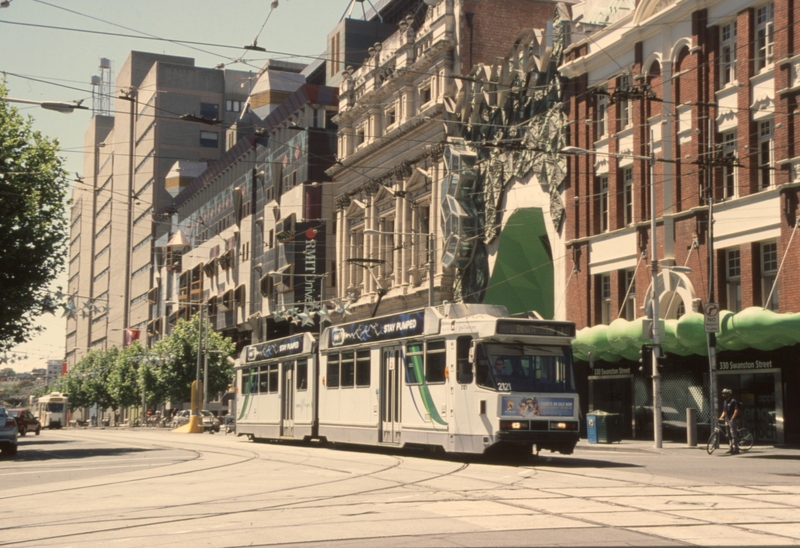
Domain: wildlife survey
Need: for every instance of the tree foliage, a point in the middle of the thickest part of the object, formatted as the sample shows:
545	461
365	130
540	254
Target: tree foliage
33	226
177	372
114	378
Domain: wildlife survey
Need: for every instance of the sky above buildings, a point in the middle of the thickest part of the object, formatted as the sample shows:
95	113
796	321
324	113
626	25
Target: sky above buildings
51	50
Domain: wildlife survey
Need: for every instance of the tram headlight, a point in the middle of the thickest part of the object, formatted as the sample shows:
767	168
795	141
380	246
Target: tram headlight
565	425
513	425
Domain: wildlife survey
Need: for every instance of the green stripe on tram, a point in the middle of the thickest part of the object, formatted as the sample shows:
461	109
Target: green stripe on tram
424	392
247	389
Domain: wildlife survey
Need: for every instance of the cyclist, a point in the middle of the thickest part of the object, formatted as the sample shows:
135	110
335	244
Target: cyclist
730	414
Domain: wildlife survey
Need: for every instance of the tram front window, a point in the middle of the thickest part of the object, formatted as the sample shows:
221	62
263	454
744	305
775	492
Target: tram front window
524	368
55	407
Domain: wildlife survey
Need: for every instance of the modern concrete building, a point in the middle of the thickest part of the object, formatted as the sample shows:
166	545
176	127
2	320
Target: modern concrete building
711	92
173	112
249	234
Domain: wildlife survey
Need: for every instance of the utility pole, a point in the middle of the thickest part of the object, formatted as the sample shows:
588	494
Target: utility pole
656	354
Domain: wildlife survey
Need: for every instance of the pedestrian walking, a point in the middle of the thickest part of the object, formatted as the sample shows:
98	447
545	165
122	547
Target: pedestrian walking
730	414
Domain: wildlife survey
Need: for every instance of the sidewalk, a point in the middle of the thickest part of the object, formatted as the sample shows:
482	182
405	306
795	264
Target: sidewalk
671	447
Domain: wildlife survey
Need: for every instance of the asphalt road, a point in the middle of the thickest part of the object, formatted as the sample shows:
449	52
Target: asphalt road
124	488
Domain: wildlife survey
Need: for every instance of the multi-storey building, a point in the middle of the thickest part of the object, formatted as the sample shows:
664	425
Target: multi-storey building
249	235
173	111
710	91
409	232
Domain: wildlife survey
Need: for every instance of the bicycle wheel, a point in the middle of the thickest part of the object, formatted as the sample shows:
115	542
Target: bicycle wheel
712	443
745	439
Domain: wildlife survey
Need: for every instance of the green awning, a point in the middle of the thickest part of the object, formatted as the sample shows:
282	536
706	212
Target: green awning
753	327
522	278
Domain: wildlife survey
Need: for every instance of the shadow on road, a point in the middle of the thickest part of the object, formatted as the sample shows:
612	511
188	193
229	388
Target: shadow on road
39	441
26	454
557	460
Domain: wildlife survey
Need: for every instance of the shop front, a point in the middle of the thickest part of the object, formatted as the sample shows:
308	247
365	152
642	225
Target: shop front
764	382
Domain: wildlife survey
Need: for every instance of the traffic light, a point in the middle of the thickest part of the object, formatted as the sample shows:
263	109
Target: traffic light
646	360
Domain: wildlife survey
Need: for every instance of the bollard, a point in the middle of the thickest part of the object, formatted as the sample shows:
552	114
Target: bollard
691	427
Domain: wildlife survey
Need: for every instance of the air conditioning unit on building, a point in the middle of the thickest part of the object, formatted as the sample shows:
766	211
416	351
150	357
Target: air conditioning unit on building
284	229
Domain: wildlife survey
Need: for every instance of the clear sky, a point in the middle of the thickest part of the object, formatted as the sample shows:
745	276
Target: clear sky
42	63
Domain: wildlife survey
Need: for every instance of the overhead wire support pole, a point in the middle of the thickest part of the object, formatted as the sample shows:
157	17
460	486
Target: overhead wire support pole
656	354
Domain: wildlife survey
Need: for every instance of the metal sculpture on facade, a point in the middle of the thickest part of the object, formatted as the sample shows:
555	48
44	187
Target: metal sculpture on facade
505	123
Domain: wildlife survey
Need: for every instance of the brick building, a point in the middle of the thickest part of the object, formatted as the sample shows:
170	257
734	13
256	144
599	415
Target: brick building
712	93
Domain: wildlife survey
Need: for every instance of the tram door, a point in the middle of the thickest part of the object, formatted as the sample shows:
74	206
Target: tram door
287	426
391	367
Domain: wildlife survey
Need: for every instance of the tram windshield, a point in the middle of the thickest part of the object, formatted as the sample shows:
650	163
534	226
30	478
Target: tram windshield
518	367
55	407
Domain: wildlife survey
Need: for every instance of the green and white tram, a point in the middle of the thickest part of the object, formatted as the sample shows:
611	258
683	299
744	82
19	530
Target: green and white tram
276	390
463	378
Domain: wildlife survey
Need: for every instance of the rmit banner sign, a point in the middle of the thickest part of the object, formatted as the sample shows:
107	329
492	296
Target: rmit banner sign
309	262
396	326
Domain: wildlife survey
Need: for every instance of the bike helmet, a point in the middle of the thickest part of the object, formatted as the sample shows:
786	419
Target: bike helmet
726	392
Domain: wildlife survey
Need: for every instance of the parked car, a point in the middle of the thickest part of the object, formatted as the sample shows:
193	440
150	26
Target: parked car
9	433
210	422
181	418
26	422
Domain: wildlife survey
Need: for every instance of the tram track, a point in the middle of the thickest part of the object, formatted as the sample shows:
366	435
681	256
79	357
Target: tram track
154	520
111	523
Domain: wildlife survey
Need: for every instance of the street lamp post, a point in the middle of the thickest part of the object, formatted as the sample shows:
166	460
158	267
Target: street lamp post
431	255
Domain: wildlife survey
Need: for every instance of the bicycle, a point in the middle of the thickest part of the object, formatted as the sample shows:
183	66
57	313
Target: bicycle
720	433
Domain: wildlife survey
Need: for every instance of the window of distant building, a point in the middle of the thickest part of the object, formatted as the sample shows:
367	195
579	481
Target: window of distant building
605	299
209	111
733	278
769	273
629	306
727	53
627	195
624	104
334	53
209	139
765	16
233	106
764	154
425	94
601	113
602	202
729	171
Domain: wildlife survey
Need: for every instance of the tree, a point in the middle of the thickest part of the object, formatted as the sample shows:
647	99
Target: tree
179	369
33	226
124	385
88	382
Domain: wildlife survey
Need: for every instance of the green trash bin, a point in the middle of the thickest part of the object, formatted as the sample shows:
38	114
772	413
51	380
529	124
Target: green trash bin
609	426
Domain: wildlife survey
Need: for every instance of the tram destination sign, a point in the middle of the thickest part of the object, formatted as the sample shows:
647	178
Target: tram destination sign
397	326
532	327
275	349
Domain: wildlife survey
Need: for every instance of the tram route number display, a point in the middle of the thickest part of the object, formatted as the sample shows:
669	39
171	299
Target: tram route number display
265	351
396	326
538	406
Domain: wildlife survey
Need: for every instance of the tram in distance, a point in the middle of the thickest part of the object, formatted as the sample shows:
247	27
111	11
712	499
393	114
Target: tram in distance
463	378
51	410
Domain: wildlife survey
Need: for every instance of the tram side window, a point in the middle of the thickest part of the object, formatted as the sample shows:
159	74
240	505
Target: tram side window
463	367
332	380
347	378
246	380
273	378
435	361
415	368
263	383
302	374
363	366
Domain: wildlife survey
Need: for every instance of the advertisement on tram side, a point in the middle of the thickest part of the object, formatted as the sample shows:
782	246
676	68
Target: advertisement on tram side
537	406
